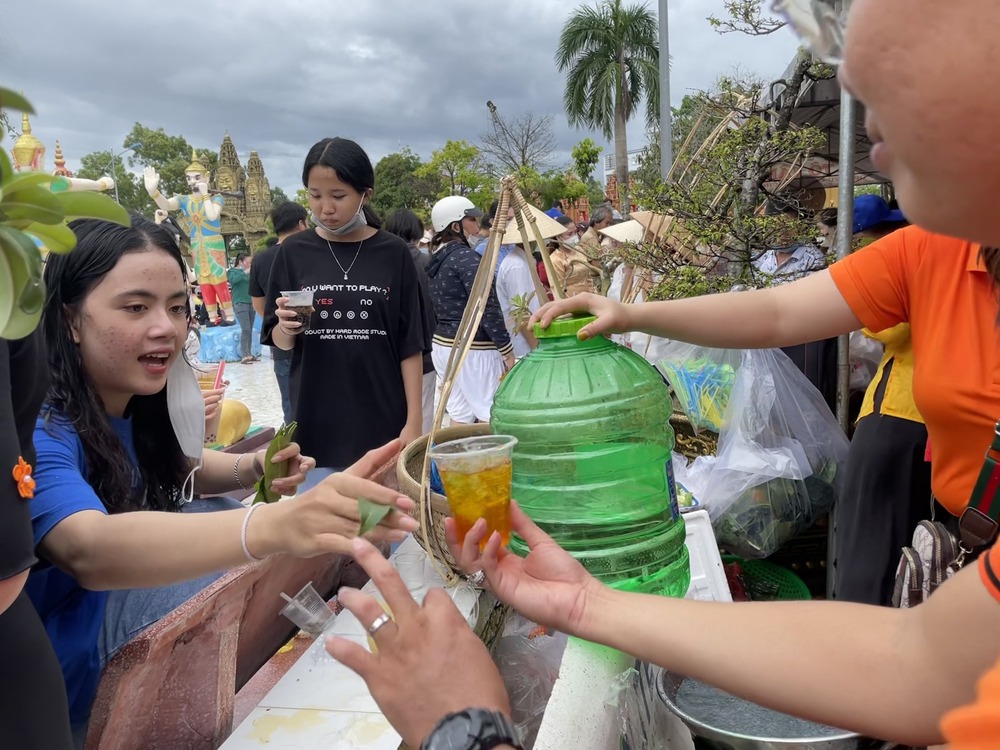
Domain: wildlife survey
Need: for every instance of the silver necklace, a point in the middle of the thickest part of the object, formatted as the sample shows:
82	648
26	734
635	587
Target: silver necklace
348	269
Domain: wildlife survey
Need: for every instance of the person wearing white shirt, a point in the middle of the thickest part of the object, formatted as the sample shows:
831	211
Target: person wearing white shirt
513	280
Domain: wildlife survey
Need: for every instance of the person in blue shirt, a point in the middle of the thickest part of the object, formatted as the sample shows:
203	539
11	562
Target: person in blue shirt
119	546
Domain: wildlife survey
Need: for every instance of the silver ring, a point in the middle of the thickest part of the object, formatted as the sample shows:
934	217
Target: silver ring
381	620
477	578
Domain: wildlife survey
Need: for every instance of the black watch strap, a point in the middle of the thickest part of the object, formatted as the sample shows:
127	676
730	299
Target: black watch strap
472	729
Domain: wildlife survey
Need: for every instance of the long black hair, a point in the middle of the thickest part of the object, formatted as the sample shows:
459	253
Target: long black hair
404	223
69	279
352	165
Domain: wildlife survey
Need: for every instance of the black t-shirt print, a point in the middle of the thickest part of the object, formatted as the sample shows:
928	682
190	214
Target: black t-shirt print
347	387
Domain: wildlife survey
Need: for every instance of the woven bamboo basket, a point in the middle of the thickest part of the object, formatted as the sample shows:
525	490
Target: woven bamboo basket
409	466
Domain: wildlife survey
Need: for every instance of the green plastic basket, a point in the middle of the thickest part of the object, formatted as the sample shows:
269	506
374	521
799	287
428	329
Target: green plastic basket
762	574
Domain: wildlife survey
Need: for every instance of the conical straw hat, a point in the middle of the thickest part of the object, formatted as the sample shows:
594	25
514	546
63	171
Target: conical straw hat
548	227
627	231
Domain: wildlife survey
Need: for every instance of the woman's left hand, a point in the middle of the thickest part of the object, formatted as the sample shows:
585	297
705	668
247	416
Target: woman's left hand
298	467
409	434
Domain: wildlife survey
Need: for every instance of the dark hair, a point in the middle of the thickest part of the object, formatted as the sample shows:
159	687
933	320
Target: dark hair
404	223
271	241
827	217
286	216
241	257
991	259
566	221
69	279
350	162
447	235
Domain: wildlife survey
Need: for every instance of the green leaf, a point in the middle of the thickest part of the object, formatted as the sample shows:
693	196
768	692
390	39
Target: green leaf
273	471
34	203
372	514
87	205
57	238
13	100
6	168
26	179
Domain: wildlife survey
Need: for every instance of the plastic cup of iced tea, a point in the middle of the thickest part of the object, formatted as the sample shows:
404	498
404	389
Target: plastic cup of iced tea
301	303
210	379
476	476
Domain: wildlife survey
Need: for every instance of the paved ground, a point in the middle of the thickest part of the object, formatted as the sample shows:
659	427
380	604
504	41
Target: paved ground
256	387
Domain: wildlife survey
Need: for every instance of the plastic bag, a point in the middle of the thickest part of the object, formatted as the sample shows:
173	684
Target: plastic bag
528	658
866	356
702	381
646	722
780	460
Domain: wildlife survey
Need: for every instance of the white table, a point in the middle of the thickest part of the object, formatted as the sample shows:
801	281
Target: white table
322	705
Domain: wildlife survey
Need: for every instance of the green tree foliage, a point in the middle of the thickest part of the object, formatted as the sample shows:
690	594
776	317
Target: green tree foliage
586	156
131	192
302	198
462	171
170	155
610	54
746	17
544	189
278	196
718	196
401	183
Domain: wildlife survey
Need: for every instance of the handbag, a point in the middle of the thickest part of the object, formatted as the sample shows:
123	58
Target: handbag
935	553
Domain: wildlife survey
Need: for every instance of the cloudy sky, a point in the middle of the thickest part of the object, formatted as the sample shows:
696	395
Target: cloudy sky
281	75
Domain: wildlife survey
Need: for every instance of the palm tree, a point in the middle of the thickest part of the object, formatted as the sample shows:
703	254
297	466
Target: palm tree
611	53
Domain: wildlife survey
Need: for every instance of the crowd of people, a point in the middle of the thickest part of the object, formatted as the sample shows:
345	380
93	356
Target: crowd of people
114	512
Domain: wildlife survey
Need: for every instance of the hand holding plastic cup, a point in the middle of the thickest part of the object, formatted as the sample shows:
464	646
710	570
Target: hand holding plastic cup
476	475
301	303
210	381
307	610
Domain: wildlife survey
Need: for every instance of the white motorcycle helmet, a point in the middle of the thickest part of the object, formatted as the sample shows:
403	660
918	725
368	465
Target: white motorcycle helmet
451	209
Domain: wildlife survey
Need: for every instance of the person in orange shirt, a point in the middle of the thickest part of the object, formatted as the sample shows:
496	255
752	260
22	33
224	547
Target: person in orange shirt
892	673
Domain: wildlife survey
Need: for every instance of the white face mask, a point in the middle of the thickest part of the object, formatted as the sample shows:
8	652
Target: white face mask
574	240
356	222
186	408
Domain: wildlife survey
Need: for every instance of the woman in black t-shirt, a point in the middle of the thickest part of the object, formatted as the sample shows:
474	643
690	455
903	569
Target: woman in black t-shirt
357	368
33	709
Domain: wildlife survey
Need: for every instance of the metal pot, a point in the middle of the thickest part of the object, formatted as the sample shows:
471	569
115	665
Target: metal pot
667	687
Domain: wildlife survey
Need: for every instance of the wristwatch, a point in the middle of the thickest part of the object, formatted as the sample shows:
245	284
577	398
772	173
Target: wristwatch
472	729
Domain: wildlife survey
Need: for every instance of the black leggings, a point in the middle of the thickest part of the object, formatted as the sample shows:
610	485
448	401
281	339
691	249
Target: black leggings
34	714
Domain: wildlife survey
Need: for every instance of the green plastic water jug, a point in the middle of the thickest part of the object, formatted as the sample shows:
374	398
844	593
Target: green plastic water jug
592	465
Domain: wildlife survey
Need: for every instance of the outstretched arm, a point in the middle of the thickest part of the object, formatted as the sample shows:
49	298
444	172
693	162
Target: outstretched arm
152	180
805	310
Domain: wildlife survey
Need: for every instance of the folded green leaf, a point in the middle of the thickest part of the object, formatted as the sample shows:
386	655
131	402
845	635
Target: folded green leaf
282	439
372	514
88	205
13	100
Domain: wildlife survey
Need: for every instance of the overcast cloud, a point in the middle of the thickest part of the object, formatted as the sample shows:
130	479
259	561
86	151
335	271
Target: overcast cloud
281	75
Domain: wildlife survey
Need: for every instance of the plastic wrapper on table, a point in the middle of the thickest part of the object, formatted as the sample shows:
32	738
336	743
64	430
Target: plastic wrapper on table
645	722
528	658
781	457
702	381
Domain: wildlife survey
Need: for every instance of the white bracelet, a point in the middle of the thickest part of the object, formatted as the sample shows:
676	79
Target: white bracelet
243	534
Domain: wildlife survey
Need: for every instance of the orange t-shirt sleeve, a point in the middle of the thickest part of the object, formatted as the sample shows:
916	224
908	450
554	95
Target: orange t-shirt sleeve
989	570
977	727
875	281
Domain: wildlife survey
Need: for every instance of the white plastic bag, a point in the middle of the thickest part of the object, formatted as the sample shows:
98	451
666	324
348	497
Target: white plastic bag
866	355
780	460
